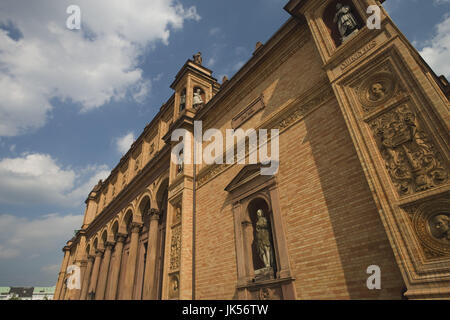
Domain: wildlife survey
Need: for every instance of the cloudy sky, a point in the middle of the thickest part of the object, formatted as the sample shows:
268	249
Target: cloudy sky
72	102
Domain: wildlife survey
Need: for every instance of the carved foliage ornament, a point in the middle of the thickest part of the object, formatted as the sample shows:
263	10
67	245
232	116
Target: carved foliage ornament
175	248
410	157
431	222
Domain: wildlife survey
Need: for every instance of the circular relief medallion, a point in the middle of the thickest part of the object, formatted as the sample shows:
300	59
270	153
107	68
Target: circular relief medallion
432	224
376	90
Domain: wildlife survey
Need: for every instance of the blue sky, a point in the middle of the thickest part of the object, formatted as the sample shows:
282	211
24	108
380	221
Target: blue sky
73	101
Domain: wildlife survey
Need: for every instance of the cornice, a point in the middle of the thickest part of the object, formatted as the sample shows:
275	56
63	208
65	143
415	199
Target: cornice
152	125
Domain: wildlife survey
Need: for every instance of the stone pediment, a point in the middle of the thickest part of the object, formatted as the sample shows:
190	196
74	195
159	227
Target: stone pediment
247	174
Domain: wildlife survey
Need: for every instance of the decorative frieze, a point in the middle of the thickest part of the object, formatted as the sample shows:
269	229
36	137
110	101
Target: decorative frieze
248	112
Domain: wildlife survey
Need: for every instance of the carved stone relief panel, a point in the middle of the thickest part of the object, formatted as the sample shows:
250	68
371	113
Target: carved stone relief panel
410	157
175	248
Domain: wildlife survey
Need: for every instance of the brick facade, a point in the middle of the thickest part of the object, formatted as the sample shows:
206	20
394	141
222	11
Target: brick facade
332	206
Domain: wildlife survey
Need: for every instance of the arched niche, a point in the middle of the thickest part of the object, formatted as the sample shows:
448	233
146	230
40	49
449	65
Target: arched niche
115	230
127	220
328	18
249	192
261	234
182	105
144	209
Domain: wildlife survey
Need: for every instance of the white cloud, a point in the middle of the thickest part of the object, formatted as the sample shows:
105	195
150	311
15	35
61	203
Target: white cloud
437	51
7	253
24	236
214	31
38	179
158	77
53	268
89	67
238	65
124	143
211	62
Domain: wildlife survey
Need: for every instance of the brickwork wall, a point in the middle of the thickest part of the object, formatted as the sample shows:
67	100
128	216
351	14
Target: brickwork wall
333	229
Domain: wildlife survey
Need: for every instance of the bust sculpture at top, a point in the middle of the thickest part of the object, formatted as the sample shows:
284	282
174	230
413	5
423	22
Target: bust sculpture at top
263	243
198	58
345	20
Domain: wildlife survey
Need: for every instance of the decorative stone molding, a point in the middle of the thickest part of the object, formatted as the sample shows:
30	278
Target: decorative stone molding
248	112
136	227
121	237
153	213
109	244
410	157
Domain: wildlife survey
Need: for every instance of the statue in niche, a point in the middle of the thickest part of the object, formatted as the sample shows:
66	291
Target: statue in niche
440	227
263	243
178	214
183	100
198	58
197	98
345	20
180	164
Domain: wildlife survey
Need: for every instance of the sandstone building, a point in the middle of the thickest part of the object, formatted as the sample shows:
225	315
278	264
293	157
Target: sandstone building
363	177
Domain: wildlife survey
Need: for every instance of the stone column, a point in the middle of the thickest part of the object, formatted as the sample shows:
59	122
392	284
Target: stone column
113	279
150	285
62	272
94	276
103	277
131	262
86	278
